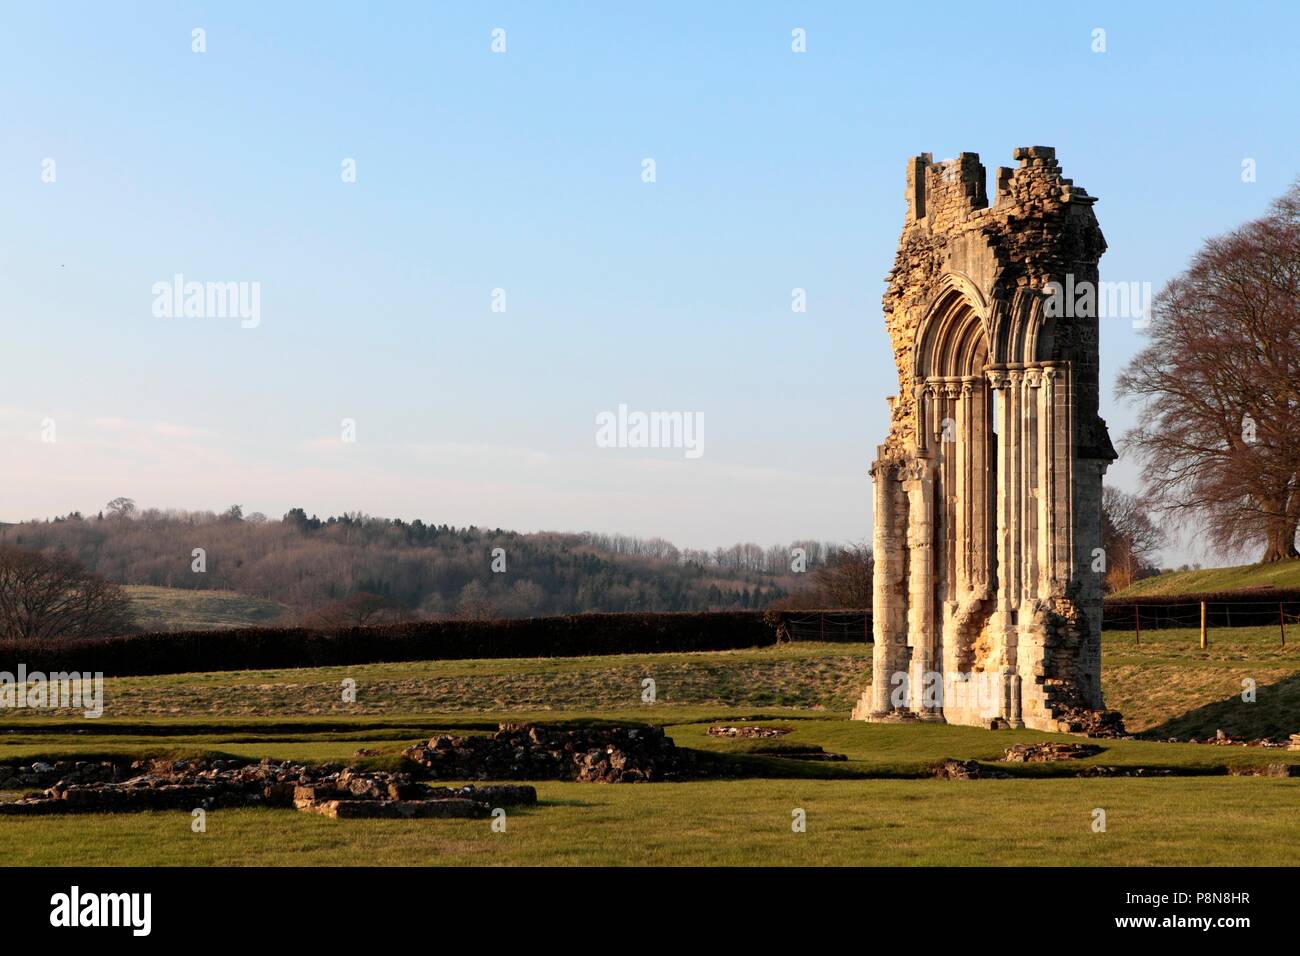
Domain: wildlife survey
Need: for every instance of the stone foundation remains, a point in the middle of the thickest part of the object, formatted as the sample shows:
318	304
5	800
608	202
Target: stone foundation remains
523	752
514	752
109	787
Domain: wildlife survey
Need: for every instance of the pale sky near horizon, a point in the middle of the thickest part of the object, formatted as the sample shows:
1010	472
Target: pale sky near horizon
522	171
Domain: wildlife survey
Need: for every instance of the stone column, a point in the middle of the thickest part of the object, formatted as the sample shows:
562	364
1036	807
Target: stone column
1048	485
921	624
889	652
1009	531
1034	554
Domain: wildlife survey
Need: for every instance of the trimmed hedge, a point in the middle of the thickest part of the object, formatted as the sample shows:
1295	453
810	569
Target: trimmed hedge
276	647
253	648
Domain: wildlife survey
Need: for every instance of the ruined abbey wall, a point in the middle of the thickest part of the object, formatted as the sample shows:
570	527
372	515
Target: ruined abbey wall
987	489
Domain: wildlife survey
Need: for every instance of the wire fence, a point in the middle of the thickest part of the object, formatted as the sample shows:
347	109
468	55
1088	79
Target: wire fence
1136	617
831	625
1204	616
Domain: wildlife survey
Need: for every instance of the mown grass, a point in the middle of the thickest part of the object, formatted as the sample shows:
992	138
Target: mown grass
183	609
1186	821
873	750
876	807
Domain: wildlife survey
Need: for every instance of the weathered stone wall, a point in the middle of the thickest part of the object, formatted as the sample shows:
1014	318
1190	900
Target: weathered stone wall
988	485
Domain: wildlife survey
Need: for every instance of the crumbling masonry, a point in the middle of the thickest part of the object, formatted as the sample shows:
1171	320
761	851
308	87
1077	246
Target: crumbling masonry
987	589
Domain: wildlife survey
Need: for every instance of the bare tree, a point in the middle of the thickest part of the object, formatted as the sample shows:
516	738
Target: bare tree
842	581
845	579
474	603
1129	537
1219	387
357	610
53	595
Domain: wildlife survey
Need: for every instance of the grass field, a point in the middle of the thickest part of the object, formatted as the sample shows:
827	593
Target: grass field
1166	686
878	806
182	609
1278	574
1187	821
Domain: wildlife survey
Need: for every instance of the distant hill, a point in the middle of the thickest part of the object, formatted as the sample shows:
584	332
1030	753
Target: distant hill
1278	574
303	562
179	609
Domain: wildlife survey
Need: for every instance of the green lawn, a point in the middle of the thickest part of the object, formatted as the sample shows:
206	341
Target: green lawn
1187	821
879	806
182	609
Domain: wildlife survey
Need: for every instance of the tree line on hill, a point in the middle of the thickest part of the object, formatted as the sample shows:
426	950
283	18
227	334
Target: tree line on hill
358	569
61	577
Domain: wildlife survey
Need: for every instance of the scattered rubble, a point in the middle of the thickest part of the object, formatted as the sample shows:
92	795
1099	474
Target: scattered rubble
1223	739
39	774
211	784
966	770
1091	722
1049	751
408	800
514	752
1270	770
589	755
747	731
1129	772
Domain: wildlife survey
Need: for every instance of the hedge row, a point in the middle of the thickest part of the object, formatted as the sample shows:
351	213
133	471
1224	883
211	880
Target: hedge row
568	636
274	647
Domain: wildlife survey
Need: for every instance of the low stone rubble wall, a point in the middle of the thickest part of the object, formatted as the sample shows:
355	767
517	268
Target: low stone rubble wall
212	784
1223	739
514	752
1048	752
746	731
596	755
1090	722
42	774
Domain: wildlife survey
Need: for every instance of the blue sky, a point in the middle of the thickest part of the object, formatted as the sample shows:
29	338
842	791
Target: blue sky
522	171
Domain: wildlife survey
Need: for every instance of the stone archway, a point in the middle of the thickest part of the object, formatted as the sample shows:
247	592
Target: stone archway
988	486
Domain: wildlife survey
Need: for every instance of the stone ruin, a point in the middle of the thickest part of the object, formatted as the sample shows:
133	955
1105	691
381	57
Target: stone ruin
332	791
987	489
598	755
514	752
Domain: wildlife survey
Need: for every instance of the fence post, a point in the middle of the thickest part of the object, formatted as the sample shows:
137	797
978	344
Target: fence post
1137	624
822	618
1204	642
1281	622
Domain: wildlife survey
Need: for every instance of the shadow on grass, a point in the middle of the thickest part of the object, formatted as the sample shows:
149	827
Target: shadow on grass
1275	713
